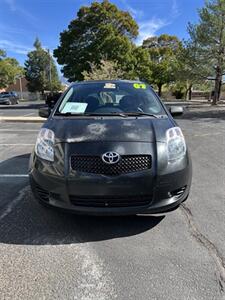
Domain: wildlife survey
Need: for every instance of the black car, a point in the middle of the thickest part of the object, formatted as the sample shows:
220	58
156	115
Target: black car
110	147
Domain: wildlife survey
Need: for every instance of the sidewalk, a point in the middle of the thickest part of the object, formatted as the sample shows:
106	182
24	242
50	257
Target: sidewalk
194	103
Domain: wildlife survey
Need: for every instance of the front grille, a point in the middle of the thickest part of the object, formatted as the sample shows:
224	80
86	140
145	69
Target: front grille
95	165
110	201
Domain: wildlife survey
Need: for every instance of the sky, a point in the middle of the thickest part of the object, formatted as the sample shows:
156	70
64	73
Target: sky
21	21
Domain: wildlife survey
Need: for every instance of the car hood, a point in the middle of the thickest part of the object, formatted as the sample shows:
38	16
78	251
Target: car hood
142	129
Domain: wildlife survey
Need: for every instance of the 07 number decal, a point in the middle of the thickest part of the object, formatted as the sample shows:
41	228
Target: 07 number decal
139	86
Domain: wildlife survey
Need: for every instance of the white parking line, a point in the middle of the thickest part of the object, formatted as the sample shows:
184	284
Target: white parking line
13	175
208	134
14	202
17	144
30	114
19	130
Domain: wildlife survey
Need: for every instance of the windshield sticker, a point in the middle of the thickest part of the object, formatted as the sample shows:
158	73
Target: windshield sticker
139	86
74	107
109	85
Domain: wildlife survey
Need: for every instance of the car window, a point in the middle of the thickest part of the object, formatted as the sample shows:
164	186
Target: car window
122	97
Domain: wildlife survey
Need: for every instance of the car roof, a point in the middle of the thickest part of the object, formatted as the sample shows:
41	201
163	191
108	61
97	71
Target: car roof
106	81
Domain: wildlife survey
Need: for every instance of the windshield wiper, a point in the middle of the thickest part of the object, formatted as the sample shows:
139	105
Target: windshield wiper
92	114
142	114
120	114
67	114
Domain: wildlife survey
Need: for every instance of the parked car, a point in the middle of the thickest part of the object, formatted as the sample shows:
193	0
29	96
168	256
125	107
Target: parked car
110	148
11	94
6	98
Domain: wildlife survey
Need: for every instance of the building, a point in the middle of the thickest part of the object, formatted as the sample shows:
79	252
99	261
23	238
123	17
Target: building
20	87
15	87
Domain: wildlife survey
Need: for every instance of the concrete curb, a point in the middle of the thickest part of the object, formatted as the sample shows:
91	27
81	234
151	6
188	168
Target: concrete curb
31	106
193	105
22	119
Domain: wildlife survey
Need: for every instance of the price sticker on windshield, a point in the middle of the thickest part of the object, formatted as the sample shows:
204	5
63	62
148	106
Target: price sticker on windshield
109	85
139	86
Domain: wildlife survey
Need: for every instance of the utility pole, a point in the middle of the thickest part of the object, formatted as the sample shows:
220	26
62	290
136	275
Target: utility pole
21	88
50	71
19	77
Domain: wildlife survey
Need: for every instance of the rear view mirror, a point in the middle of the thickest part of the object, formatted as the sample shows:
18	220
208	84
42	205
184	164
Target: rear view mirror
44	112
176	110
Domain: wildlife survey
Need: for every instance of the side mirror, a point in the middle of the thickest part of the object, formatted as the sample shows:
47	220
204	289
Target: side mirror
52	99
176	110
44	112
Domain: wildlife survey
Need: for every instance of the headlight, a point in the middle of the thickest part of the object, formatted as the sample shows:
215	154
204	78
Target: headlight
176	146
45	143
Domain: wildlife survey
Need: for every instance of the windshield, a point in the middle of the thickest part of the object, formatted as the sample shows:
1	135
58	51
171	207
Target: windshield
111	99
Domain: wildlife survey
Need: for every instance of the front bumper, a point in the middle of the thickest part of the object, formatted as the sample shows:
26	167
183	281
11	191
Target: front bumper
156	190
167	193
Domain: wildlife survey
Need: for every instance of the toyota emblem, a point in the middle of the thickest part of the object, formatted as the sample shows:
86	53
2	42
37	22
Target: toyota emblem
111	158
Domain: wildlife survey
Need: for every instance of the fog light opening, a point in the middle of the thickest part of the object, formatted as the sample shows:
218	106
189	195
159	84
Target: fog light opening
178	192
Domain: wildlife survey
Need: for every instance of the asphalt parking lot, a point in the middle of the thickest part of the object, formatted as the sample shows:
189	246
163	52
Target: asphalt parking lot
46	254
18	112
23	109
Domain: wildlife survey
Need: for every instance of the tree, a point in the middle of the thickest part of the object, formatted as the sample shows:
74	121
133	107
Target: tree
107	70
2	54
162	51
140	66
191	69
9	69
100	31
40	70
208	38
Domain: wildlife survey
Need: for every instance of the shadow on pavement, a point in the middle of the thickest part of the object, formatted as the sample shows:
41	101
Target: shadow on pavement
23	106
15	165
23	221
208	114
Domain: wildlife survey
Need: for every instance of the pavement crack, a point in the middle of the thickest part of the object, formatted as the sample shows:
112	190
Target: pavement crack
208	245
9	208
221	286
